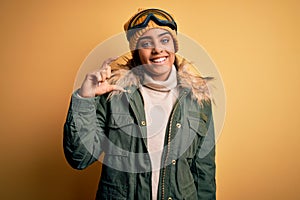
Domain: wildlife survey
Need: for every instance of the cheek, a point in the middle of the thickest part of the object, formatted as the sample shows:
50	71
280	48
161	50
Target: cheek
172	57
171	46
144	55
170	49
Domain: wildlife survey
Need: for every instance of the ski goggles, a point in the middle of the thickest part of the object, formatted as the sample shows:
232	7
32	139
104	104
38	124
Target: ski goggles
142	19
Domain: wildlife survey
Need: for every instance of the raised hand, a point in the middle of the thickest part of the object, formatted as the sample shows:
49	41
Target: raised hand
95	83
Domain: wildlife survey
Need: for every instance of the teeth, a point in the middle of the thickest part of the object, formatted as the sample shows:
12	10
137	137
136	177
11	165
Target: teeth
159	60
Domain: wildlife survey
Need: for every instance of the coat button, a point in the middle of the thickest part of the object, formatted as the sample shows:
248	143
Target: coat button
143	123
170	198
178	125
173	162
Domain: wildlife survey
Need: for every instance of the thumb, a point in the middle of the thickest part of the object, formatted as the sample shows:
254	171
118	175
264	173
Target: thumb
117	88
109	88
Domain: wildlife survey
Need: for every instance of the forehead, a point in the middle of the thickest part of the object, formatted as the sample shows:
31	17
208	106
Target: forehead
155	32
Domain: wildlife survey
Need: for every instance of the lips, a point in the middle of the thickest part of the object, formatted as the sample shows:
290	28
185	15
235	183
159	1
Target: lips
159	60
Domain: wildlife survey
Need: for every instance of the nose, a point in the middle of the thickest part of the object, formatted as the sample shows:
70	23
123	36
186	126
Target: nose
157	48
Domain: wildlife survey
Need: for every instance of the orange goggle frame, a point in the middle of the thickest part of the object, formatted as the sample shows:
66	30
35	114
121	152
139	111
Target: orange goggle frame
160	17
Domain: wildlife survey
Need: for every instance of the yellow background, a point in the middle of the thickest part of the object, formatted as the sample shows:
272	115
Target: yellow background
255	45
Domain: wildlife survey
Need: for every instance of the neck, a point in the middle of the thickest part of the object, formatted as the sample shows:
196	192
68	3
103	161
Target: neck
166	84
159	77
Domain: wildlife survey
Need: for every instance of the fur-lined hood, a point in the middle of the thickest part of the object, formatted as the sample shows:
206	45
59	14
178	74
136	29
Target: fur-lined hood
188	77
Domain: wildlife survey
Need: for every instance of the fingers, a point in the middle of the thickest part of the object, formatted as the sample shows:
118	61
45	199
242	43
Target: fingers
105	71
109	60
108	72
103	75
96	82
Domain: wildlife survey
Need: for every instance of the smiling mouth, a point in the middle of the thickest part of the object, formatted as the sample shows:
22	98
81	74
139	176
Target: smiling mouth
159	60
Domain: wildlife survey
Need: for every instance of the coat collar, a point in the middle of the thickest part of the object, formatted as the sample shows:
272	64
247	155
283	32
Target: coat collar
189	79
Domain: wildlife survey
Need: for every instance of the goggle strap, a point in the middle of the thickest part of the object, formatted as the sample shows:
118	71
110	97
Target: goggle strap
152	17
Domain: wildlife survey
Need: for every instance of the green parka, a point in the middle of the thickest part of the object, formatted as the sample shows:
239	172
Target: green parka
115	125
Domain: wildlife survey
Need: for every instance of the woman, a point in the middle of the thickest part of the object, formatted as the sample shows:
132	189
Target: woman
151	117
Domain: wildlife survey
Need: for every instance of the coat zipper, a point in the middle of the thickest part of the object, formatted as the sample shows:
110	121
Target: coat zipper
168	150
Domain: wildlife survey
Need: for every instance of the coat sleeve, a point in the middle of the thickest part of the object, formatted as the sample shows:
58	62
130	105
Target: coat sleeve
84	131
203	166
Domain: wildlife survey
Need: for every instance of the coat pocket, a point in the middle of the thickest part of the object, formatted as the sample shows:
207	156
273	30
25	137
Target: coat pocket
197	132
119	134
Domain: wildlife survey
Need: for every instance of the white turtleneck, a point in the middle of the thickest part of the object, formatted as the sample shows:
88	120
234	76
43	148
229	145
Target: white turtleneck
159	98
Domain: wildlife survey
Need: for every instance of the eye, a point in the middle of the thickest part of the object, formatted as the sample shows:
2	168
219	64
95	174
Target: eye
165	40
146	44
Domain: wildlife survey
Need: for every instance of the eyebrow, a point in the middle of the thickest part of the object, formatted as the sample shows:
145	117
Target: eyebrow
149	37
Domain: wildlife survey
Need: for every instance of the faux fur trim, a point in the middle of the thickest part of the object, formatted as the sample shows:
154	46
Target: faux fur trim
188	77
